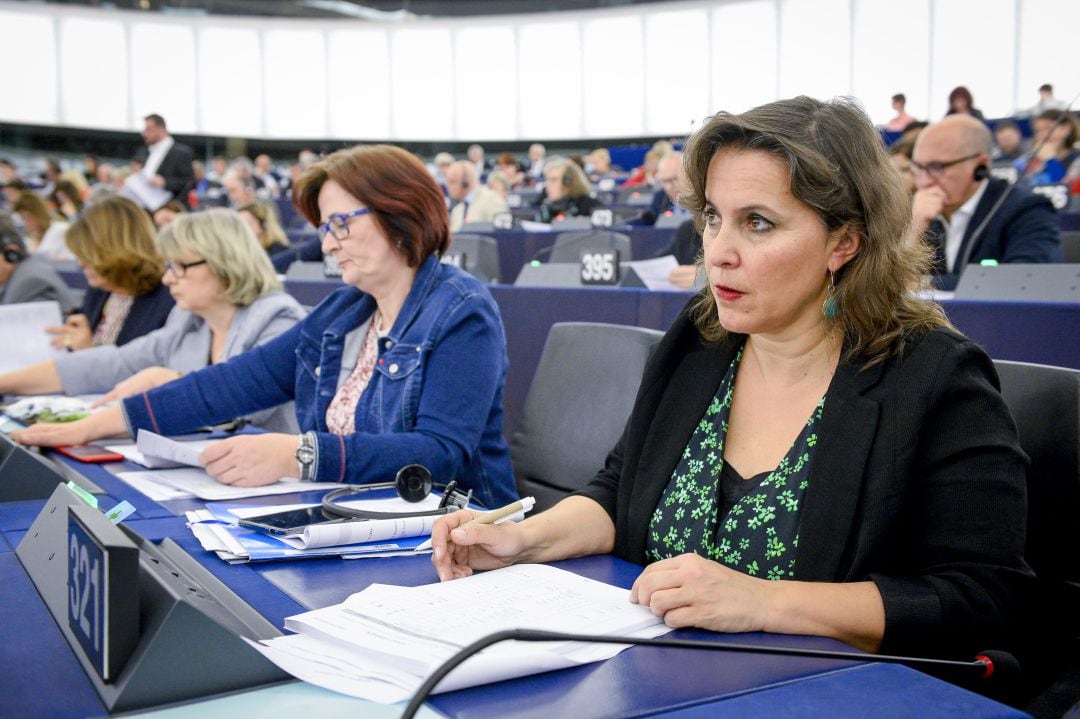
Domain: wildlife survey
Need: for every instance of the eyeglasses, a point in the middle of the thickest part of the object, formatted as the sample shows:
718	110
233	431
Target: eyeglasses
937	169
338	225
179	269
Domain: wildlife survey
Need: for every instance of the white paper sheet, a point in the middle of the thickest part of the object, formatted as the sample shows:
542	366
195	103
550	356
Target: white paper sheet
654	273
200	484
138	189
381	643
25	339
143	482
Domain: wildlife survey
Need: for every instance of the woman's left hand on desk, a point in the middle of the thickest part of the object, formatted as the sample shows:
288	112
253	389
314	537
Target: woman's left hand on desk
252	460
691	591
108	422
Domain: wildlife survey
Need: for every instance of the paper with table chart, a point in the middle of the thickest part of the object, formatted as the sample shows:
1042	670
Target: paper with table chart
381	643
217	530
25	339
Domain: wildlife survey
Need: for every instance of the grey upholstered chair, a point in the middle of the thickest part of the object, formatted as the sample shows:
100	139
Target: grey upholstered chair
577	406
1045	402
481	255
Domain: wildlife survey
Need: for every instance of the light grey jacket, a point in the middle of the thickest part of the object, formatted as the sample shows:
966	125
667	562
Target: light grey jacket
183	344
34	280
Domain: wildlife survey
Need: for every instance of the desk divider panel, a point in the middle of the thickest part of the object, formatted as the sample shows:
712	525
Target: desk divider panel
24	475
191	624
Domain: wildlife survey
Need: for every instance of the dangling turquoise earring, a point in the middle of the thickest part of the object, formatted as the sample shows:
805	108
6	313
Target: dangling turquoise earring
831	307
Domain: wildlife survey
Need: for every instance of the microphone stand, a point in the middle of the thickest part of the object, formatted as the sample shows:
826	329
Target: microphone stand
983	666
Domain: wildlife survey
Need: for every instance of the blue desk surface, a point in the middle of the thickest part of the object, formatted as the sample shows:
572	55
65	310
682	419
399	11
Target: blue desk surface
42	677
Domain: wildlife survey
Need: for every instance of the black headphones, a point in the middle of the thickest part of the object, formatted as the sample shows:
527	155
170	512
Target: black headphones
567	176
981	173
413	484
13	254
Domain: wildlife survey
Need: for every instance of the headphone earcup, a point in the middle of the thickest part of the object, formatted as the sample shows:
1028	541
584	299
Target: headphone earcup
981	173
413	483
567	178
13	255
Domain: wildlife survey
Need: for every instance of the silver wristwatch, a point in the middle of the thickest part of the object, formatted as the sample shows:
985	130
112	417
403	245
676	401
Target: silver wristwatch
305	457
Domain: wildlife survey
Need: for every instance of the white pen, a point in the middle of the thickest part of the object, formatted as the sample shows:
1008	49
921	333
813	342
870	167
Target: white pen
522	505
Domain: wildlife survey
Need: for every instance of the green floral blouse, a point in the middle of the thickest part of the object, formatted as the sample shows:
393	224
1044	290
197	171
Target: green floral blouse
755	533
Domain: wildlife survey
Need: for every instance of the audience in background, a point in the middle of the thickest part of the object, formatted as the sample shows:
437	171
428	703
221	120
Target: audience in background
902	119
537	155
900	155
666	198
164	215
567	192
1057	158
475	155
498	182
228	300
962	103
511	170
262	218
44	235
25	277
90	168
67	200
114	243
263	173
954	197
646	173
1047	101
1008	142
239	186
472	202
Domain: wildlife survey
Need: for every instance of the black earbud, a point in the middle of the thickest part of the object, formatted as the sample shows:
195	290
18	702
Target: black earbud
981	173
413	483
13	254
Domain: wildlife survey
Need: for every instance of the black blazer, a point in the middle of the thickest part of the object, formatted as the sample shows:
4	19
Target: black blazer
686	245
917	483
1025	229
176	168
148	312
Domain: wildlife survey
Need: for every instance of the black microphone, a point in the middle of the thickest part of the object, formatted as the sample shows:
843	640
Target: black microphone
990	663
962	261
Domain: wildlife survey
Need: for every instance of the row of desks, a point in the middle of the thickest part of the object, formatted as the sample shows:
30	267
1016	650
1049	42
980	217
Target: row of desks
42	677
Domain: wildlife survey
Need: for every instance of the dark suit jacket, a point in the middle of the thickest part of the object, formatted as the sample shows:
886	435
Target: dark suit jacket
686	245
176	169
916	483
148	312
1025	229
661	203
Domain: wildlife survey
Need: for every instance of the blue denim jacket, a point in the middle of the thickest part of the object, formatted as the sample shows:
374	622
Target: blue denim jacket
435	397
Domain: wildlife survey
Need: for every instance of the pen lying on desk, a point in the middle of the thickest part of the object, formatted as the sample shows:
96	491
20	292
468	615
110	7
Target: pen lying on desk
522	505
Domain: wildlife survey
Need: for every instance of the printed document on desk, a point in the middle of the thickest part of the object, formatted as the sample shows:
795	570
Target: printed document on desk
381	643
25	339
216	529
158	452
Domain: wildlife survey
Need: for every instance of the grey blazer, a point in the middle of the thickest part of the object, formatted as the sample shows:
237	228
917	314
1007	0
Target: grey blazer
34	280
183	344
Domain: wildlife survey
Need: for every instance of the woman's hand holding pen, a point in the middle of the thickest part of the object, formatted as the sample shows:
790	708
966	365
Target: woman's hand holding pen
74	334
457	550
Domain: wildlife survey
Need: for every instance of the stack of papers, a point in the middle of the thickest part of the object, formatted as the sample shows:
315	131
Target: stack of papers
187	478
217	530
381	643
25	340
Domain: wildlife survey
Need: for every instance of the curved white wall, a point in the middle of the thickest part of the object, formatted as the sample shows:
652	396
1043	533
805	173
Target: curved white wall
645	70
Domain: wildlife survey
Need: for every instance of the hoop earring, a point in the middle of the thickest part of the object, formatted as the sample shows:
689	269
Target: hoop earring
831	306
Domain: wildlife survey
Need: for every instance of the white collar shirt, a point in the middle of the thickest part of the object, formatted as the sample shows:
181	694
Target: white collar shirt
156	154
957	225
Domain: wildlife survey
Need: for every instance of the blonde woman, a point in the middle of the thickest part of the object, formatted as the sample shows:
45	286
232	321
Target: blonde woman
262	218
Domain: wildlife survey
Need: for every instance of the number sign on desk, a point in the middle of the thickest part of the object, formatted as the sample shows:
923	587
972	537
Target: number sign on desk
599	266
103	599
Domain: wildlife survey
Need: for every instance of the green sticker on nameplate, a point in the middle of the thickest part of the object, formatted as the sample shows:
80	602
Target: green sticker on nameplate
83	494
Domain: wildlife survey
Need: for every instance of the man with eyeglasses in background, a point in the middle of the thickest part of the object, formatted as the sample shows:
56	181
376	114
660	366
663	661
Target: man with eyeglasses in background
955	194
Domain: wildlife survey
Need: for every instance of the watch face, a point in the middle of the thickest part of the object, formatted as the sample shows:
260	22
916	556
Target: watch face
305	454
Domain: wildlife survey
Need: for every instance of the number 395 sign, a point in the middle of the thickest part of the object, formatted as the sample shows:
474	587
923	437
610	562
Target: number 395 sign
599	267
102	590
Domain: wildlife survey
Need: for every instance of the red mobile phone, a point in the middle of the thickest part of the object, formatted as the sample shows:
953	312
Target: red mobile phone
90	453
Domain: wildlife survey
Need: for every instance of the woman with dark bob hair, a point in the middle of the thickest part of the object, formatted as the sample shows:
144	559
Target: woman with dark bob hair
113	241
813	449
404	365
